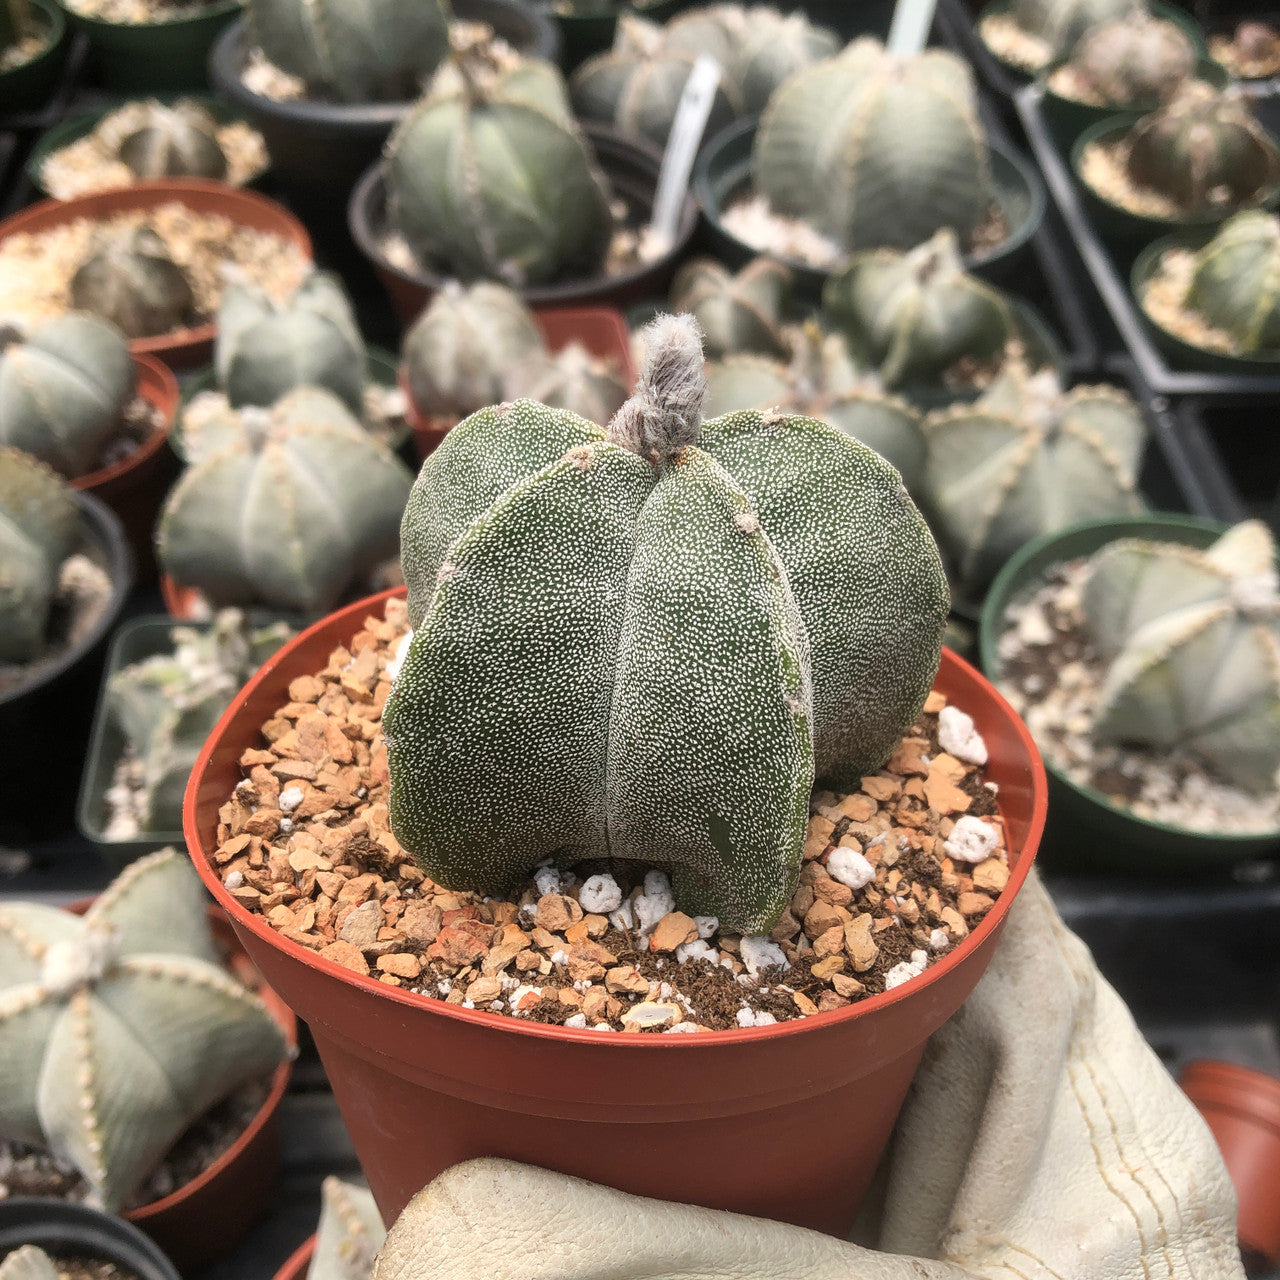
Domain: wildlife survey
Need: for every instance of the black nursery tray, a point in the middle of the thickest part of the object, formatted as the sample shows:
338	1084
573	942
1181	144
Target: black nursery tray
55	108
1242	435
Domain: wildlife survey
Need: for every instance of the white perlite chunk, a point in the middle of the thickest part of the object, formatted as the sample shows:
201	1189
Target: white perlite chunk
958	737
624	918
707	925
938	939
290	799
578	1020
600	895
907	970
759	952
696	950
972	840
850	868
752	1018
548	880
397	658
655	902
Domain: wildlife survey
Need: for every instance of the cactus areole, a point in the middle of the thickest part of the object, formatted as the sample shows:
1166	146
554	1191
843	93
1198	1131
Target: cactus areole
646	642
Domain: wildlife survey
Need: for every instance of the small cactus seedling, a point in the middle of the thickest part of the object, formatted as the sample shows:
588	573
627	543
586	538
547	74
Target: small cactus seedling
1061	23
641	643
266	348
350	1233
175	142
573	379
130	280
285	507
1026	460
737	313
458	353
39	529
875	151
1235	284
1139	60
377	51
29	1263
63	390
119	1028
1192	639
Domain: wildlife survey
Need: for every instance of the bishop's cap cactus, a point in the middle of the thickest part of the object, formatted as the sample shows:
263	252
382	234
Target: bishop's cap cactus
1059	24
571	378
180	141
1235	284
131	280
1138	60
742	312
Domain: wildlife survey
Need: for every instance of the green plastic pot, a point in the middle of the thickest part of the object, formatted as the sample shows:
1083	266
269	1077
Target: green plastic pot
1086	831
133	57
28	86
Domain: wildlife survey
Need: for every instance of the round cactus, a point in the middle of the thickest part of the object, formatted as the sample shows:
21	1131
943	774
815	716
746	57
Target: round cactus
175	142
375	51
571	379
63	391
887	424
1026	460
1061	23
875	151
742	312
1235	285
459	350
266	348
285	507
749	382
1139	60
610	654
130	280
1192	642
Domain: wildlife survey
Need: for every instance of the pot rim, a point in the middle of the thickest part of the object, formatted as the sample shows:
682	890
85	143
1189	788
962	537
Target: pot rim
159	388
347	620
61	1216
295	1265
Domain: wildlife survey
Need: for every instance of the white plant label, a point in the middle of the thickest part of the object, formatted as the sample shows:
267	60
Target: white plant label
682	147
909	30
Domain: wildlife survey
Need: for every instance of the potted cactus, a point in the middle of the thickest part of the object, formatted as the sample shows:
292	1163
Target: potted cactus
346	1241
34	1231
641	546
1250	52
32	40
736	312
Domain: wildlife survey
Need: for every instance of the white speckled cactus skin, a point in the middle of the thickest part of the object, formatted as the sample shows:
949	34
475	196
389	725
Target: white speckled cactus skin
63	389
736	312
707	612
350	1233
1193	642
119	1028
875	152
180	141
1136	60
28	1262
1060	23
1236	282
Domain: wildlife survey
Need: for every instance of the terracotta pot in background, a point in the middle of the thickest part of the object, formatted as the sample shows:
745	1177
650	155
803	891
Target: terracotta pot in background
295	1267
786	1122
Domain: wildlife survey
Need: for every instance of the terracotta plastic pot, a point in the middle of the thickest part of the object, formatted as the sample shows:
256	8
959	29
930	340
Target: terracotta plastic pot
784	1122
601	330
184	347
26	87
295	1267
1242	1109
74	1230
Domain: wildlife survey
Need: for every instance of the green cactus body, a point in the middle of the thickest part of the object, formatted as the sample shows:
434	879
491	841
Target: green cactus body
377	51
1204	150
737	313
773	47
39	529
266	349
913	315
458	353
1137	60
712	29
63	390
28	1262
573	379
753	597
1027	460
350	1233
175	142
1061	23
1192	639
1235	285
286	507
119	1028
887	424
130	280
749	382
875	151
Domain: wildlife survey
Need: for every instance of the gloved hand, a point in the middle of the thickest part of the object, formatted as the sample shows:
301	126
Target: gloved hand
1041	1140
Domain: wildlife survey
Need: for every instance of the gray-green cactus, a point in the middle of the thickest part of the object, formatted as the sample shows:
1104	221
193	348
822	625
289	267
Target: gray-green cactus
642	643
39	529
885	423
458	352
350	1233
29	1262
285	507
180	141
573	379
130	280
377	51
1205	150
119	1028
747	381
1139	60
1025	460
266	348
1192	642
913	315
1061	23
737	313
63	390
875	151
1235	285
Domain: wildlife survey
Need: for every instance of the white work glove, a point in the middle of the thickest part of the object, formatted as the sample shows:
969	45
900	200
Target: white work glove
1041	1140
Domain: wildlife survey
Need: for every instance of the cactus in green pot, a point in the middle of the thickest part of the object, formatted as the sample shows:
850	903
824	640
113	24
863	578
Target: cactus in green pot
1059	24
876	151
377	51
266	348
737	312
1140	59
1235	282
180	141
645	642
130	279
1192	643
119	1028
63	390
573	379
350	1233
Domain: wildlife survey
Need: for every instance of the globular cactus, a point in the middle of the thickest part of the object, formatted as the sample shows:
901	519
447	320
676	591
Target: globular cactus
1204	151
1235	284
913	315
350	1233
266	348
573	379
737	313
1025	460
1192	643
885	423
29	1262
285	507
1059	24
1137	61
39	529
63	390
130	280
119	1028
455	161
610	655
747	381
458	352
180	141
875	151
376	51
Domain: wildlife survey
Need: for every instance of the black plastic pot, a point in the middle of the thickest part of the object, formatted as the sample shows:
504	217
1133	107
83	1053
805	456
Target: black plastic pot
27	86
69	1230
